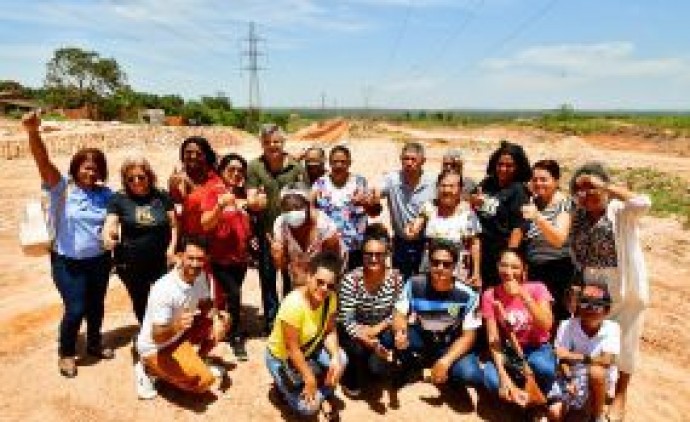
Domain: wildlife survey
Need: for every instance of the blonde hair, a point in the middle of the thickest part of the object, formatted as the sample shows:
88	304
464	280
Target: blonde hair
137	161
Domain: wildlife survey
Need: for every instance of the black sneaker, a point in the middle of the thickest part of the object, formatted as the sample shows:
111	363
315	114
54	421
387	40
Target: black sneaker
238	348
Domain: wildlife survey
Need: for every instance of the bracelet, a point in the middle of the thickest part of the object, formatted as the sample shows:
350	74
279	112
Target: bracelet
587	360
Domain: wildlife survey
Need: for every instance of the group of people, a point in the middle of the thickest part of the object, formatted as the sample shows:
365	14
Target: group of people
510	284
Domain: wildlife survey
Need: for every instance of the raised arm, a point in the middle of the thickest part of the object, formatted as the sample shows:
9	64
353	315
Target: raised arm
50	175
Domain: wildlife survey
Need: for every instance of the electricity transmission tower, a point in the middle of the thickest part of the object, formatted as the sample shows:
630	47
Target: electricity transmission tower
252	54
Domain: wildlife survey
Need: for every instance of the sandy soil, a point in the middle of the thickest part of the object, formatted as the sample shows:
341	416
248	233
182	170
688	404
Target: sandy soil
30	309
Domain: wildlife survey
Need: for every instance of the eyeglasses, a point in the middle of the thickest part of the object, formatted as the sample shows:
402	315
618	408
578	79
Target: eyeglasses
371	255
136	178
440	263
322	284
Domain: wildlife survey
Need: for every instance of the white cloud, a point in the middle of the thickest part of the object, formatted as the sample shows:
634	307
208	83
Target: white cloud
614	59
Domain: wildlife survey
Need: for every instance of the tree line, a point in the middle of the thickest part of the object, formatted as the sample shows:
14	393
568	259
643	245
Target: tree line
81	78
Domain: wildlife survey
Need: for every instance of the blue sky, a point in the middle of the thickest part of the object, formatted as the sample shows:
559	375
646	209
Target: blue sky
603	54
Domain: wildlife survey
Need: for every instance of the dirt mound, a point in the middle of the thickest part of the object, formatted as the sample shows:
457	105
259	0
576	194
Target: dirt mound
329	131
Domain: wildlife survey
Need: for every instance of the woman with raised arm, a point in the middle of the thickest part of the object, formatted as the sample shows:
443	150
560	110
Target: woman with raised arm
80	266
605	239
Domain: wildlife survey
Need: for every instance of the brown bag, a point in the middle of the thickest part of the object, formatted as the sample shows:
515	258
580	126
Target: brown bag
535	397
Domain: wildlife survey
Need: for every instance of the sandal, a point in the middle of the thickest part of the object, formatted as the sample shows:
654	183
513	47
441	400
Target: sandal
101	352
67	367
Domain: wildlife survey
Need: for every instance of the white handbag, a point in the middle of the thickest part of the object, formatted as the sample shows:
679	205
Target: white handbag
35	232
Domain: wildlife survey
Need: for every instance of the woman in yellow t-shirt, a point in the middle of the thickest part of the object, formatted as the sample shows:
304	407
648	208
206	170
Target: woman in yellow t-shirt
303	355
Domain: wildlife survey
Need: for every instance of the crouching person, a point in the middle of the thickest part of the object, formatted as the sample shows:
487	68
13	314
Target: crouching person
435	323
587	346
302	354
180	328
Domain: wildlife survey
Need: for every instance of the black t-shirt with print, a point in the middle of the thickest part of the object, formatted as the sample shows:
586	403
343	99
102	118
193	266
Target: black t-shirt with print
501	212
145	226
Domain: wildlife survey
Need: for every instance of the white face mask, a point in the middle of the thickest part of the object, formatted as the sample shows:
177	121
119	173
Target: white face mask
295	218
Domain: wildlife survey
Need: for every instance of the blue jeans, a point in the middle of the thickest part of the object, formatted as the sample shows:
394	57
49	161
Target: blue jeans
82	284
423	351
268	282
293	398
407	256
541	359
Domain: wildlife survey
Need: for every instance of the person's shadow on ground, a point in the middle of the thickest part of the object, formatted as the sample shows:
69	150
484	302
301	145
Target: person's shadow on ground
116	339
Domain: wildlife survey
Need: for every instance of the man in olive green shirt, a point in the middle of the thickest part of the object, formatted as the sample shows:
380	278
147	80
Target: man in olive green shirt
266	176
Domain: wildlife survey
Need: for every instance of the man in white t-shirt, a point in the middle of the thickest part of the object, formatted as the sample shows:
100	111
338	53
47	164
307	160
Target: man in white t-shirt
587	346
180	327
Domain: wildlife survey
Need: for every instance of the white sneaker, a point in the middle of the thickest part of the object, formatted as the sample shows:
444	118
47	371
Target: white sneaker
218	371
144	384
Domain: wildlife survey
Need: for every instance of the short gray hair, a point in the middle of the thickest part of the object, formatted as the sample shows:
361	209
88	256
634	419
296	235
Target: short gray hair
413	146
454	154
268	129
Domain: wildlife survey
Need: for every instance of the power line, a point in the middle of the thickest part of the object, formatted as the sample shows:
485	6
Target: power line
516	32
444	45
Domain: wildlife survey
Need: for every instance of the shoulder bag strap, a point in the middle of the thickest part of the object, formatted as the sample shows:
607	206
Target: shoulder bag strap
311	346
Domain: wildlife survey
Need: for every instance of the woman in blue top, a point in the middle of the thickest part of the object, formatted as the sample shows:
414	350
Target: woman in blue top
80	267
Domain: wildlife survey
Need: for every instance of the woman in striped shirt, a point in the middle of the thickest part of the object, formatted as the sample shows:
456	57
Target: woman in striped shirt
548	217
366	299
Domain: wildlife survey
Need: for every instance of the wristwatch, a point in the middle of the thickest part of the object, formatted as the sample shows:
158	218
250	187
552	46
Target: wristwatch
587	360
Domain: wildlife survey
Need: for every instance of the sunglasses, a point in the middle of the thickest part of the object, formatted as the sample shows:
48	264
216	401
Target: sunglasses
371	255
136	178
596	305
446	265
325	285
236	169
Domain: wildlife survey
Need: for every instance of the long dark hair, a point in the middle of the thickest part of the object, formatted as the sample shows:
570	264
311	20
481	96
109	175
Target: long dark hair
523	171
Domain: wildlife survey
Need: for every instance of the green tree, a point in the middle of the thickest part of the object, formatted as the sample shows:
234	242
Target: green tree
76	77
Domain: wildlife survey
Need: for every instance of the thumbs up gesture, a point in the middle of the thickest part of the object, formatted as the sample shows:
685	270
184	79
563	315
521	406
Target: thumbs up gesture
477	198
359	197
529	210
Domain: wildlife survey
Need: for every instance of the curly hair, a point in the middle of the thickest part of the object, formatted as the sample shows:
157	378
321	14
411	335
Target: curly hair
523	171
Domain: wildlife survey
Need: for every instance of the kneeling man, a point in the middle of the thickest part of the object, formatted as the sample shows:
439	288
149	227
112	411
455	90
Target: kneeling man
180	328
435	323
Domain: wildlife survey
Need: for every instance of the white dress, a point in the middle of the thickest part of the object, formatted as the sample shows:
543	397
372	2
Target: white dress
628	281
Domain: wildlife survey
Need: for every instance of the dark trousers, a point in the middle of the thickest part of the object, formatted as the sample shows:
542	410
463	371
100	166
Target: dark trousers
230	277
489	263
138	277
268	282
407	256
82	284
557	275
358	357
423	351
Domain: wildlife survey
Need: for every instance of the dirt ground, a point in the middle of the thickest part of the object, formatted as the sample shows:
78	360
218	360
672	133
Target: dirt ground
30	307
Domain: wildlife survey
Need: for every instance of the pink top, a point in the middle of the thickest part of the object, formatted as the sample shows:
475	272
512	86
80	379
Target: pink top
517	314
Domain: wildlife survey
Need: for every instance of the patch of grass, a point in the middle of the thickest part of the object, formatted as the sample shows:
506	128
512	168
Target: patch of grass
670	194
